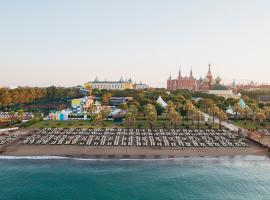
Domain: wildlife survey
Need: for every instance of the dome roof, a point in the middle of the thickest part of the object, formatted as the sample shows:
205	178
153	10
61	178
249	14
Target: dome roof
206	80
218	79
213	82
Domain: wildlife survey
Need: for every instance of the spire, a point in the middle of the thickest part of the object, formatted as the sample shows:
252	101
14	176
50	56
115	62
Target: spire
170	77
121	79
209	73
191	73
179	74
96	79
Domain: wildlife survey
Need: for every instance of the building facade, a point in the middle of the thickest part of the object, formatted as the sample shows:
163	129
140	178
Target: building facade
116	85
225	93
191	83
140	86
112	85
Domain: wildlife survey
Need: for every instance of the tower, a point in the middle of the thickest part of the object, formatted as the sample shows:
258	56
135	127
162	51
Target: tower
191	73
169	82
209	73
179	73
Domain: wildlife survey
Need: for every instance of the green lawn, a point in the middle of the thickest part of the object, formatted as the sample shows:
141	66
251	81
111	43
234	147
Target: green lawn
109	124
250	124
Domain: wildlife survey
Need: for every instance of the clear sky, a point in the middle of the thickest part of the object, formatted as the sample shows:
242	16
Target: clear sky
68	42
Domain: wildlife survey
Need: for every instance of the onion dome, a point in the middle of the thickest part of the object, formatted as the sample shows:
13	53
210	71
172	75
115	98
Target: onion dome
218	79
213	82
206	80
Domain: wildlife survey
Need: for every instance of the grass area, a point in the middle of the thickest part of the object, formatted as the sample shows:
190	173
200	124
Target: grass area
250	124
111	124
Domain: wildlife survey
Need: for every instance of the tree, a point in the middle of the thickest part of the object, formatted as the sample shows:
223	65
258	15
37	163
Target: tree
222	117
97	118
199	116
205	104
105	112
5	98
21	114
105	99
151	114
253	106
237	109
169	108
134	103
188	107
131	115
214	110
266	110
192	114
175	118
247	112
259	117
159	108
123	106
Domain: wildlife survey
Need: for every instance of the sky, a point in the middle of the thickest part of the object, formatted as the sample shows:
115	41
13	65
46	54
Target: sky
69	42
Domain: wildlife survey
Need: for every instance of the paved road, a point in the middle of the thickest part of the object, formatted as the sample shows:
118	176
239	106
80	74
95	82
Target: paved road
230	126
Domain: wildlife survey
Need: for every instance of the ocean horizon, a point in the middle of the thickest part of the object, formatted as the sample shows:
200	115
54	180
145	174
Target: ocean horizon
50	177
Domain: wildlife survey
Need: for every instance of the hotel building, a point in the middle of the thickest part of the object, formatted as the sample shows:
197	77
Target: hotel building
116	85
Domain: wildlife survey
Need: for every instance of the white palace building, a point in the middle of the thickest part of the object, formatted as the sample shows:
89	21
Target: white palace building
116	85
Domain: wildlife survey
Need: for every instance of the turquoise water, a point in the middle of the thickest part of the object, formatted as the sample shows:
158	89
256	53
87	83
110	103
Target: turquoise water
197	178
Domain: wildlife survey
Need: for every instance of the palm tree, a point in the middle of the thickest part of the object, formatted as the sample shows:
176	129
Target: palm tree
151	114
170	111
192	114
188	107
98	118
237	109
259	117
222	117
253	107
214	110
198	116
266	110
176	118
247	111
131	114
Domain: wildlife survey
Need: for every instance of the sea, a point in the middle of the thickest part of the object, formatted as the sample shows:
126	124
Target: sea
38	178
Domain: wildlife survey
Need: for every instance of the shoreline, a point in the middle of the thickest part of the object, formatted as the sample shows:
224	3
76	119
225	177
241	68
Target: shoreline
184	158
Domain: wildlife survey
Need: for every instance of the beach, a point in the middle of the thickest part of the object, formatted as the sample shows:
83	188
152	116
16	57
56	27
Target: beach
18	148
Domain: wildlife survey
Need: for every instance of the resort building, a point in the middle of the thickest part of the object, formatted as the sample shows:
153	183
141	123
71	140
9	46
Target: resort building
111	85
116	101
140	86
116	85
225	93
264	99
253	86
191	83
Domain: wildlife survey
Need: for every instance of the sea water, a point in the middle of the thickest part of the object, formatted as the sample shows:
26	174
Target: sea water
37	178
